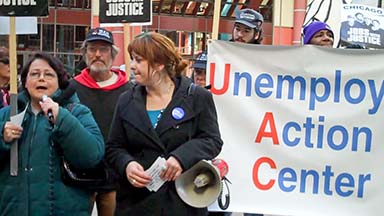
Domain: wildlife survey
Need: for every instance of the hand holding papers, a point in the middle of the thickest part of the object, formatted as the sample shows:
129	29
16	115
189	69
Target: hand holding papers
154	171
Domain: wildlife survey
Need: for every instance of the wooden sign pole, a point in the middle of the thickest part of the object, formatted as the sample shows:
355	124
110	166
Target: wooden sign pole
127	40
216	19
13	90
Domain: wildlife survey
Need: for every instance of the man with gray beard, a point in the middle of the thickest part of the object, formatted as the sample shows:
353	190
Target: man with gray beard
98	87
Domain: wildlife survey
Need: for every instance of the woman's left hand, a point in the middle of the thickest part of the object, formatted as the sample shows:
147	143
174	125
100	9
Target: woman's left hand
49	104
11	132
173	169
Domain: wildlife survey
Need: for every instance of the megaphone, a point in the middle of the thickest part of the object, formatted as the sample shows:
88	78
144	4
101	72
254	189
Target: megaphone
202	184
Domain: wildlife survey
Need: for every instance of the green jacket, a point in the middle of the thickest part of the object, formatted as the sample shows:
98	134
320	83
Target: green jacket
38	189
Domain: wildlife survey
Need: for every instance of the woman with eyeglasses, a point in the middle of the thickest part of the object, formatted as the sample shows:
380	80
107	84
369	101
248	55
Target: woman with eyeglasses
38	188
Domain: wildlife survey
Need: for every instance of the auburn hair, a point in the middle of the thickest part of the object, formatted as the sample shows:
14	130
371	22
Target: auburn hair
158	49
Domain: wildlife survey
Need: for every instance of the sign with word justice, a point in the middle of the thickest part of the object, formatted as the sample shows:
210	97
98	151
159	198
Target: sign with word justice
302	128
362	25
23	7
125	11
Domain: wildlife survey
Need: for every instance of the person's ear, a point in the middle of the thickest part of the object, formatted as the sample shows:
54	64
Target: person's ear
257	35
159	67
26	84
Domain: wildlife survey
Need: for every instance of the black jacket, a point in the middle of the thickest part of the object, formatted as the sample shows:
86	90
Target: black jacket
102	103
194	137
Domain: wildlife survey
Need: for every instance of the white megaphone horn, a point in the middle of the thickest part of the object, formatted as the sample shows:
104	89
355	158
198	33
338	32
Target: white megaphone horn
202	184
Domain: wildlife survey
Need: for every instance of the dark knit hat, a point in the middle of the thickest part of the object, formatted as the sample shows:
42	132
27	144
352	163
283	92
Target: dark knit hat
314	27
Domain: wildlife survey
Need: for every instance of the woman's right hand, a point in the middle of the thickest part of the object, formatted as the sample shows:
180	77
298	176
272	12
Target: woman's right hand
11	132
136	175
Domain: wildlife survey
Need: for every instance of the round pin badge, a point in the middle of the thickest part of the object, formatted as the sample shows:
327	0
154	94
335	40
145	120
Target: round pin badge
178	113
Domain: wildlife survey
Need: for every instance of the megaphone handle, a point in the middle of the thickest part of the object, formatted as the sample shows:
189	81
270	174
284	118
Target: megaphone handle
227	198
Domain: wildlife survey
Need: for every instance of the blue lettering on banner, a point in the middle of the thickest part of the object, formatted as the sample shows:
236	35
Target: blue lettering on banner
320	89
288	179
310	133
308	129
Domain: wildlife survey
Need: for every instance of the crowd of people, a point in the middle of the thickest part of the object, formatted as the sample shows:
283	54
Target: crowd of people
101	117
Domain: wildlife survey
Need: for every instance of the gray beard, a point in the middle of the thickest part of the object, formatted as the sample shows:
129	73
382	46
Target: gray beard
98	69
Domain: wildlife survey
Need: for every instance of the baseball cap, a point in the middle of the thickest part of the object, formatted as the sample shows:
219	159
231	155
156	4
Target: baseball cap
250	18
98	33
201	61
313	28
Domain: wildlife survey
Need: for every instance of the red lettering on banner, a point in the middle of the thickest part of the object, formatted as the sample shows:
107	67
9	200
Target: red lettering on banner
255	173
224	89
268	118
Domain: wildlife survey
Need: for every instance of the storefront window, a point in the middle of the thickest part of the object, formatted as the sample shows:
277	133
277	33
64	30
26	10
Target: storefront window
80	32
65	38
48	37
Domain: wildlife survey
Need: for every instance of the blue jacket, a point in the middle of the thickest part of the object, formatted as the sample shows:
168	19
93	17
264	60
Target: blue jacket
38	188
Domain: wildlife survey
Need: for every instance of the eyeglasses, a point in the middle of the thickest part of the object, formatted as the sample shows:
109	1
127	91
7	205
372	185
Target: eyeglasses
199	70
103	49
46	75
5	61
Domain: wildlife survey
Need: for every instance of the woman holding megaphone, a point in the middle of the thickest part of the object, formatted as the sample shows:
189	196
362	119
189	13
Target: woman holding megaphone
165	116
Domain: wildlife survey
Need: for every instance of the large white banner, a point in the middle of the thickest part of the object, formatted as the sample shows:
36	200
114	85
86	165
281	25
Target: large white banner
302	128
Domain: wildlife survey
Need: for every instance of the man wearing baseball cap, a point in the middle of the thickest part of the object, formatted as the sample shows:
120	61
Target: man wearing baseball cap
247	28
98	87
199	69
318	33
